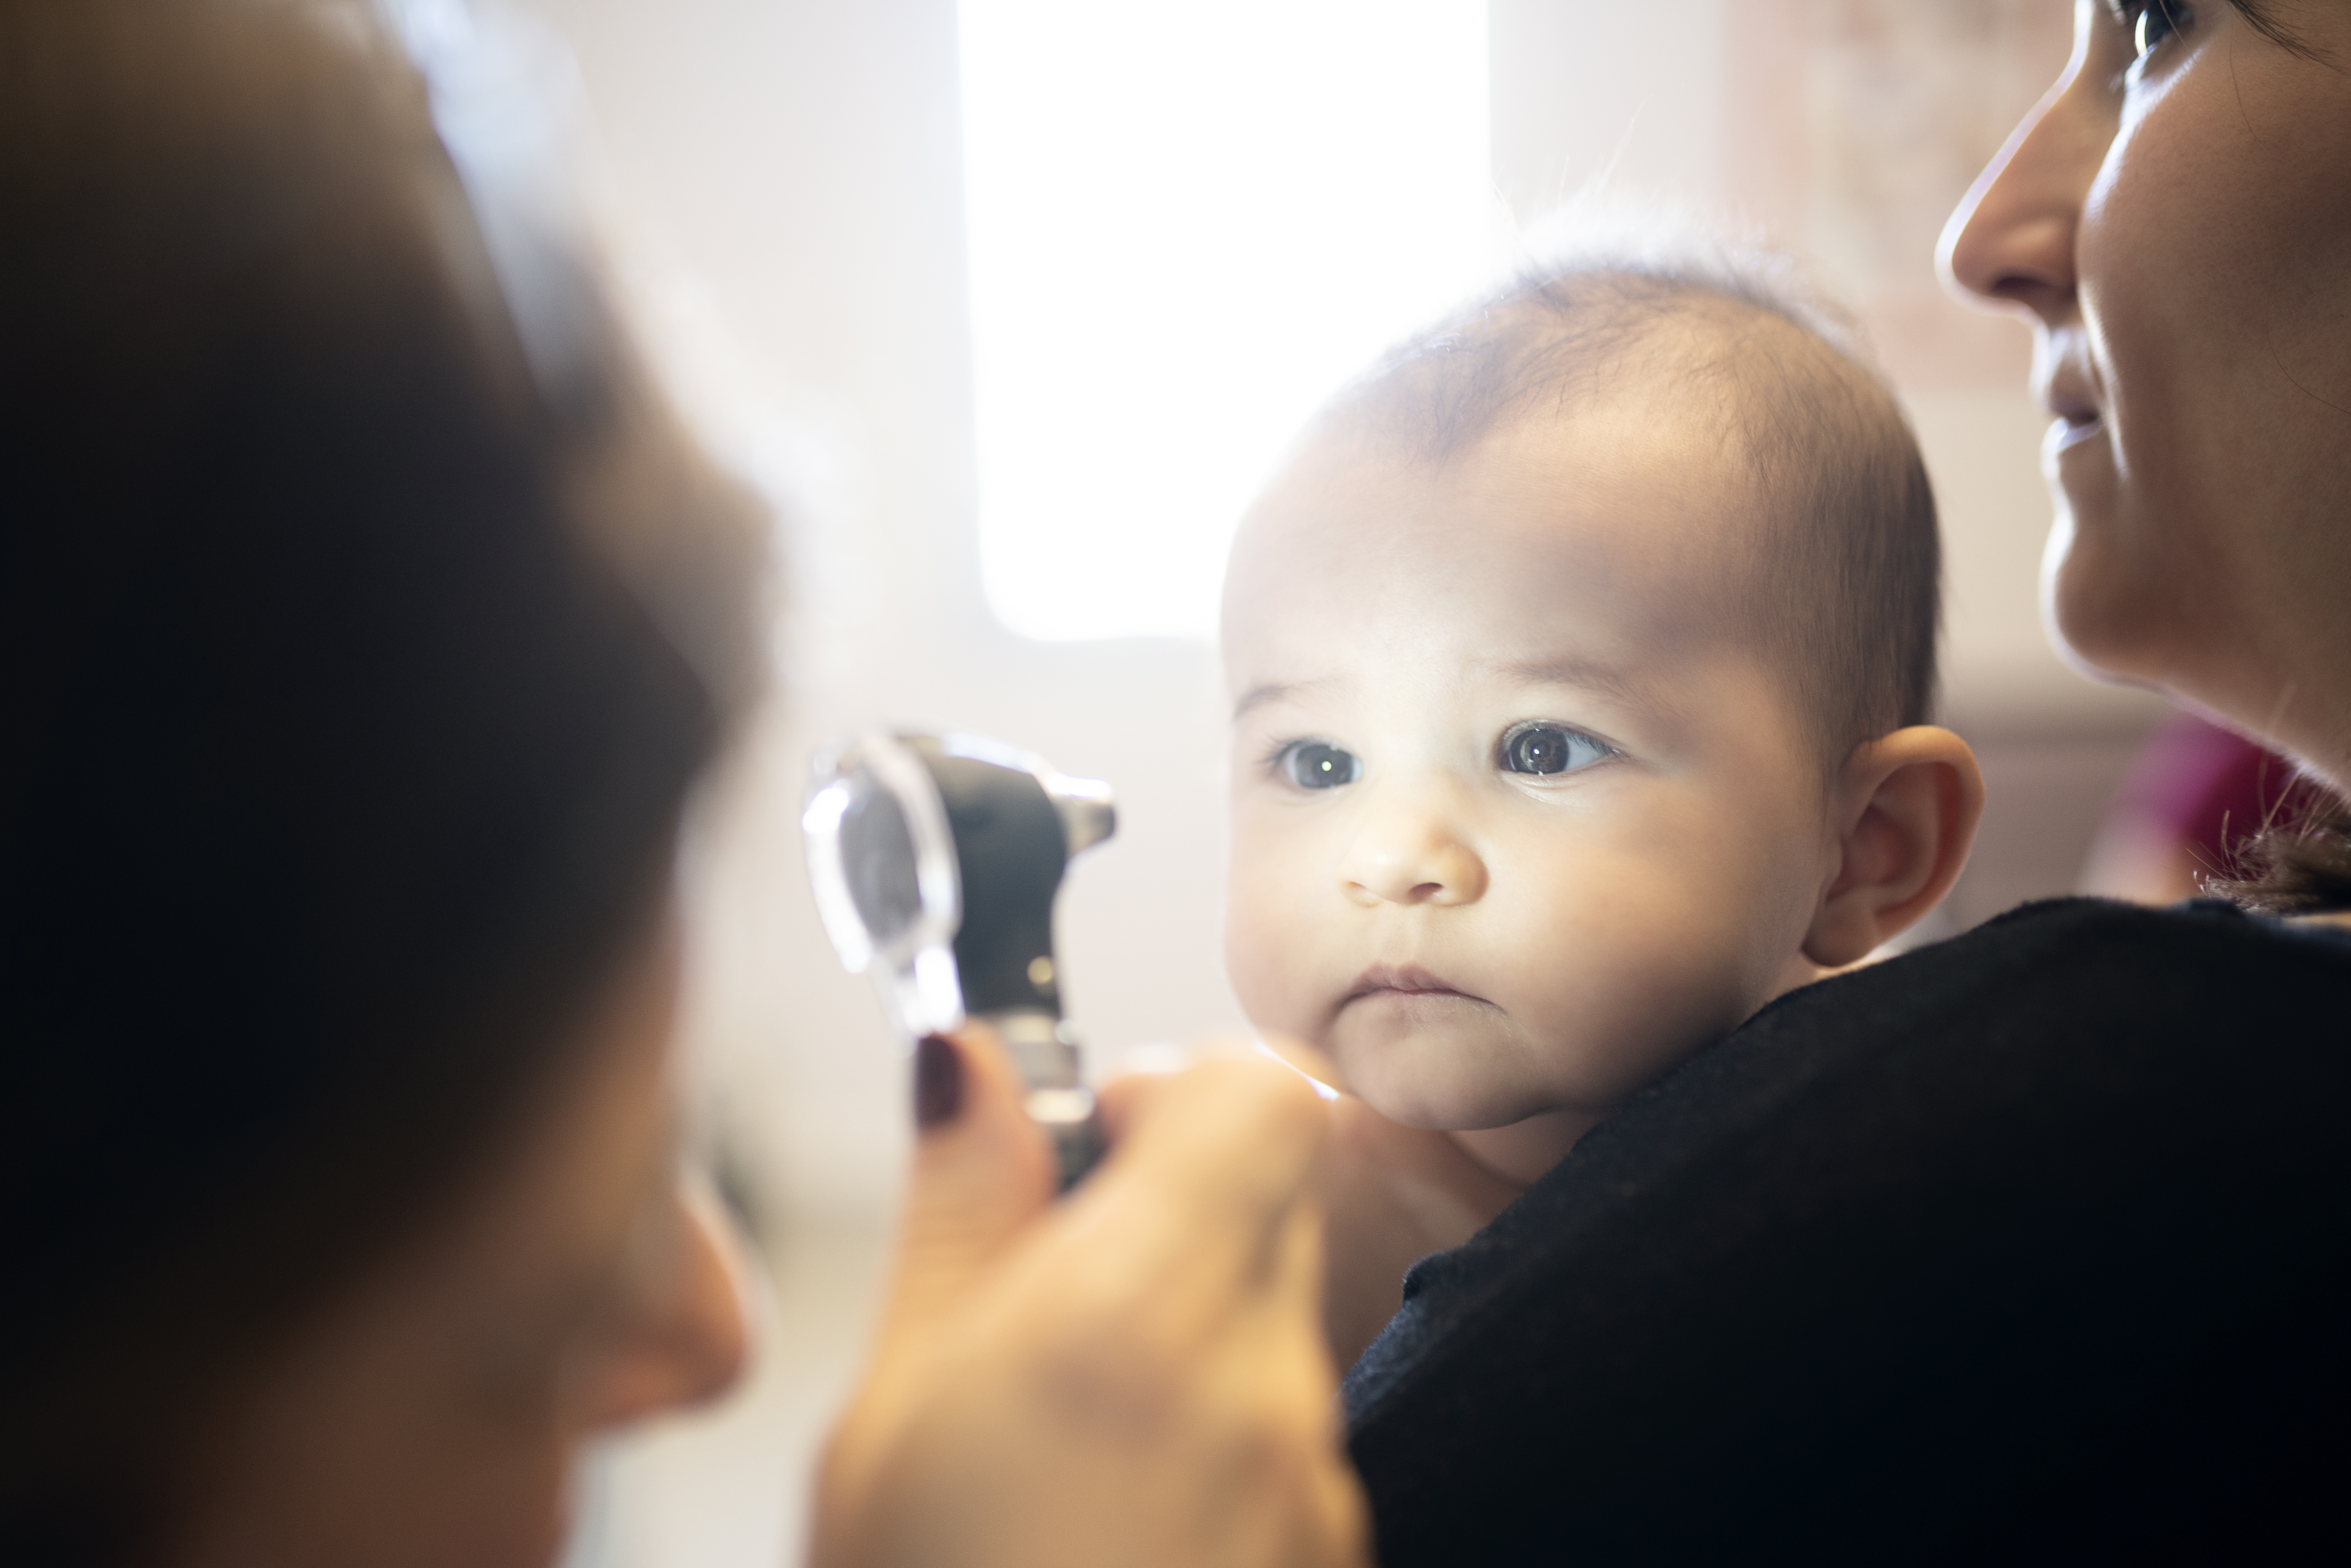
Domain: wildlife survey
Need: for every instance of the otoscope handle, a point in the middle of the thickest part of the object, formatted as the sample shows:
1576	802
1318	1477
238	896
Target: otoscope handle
1045	1051
1011	849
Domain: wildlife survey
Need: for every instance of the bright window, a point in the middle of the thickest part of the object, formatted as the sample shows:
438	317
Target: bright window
1188	223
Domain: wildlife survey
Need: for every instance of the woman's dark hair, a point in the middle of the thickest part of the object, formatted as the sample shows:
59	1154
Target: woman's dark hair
357	664
2262	16
2299	864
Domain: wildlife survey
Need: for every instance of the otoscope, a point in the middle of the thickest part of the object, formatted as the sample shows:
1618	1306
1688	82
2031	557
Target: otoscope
935	860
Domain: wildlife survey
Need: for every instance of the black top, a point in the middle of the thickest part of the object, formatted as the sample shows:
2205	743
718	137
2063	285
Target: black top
2033	1237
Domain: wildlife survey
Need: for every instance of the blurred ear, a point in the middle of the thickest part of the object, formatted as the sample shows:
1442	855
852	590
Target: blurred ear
1907	806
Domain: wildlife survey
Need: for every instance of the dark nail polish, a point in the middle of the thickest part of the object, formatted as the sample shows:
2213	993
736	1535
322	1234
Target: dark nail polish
938	1082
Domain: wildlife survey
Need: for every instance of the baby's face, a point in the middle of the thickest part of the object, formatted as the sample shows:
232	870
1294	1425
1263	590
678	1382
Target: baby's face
1520	818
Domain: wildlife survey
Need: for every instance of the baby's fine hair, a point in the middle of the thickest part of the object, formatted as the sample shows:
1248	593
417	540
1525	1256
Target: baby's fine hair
1842	582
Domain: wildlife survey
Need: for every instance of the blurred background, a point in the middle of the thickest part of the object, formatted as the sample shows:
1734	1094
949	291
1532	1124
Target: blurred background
1009	303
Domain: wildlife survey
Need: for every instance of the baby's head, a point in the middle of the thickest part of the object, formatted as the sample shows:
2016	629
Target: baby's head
1580	660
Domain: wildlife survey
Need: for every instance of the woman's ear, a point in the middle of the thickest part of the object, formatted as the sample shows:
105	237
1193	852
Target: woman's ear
1907	806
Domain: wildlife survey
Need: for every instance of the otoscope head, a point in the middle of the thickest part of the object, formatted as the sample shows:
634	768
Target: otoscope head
935	862
1088	814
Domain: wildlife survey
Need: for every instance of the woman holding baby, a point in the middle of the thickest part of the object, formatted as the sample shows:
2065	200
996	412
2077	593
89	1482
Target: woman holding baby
339	1196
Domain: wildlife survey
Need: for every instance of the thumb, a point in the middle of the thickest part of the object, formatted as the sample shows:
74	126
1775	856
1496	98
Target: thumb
981	1171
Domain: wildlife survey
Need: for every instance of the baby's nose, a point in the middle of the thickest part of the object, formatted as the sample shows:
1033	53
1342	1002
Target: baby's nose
1408	850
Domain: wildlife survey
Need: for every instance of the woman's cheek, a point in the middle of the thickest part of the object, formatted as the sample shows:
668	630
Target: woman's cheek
2101	590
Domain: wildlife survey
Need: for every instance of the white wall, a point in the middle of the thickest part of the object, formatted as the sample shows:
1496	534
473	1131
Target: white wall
782	183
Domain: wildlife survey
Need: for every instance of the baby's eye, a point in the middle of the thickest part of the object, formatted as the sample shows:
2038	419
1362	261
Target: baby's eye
1550	749
1319	765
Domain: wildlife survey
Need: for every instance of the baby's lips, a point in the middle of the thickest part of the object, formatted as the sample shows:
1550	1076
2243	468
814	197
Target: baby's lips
1409	980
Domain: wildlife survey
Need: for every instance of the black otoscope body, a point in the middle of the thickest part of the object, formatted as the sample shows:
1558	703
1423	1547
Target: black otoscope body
937	860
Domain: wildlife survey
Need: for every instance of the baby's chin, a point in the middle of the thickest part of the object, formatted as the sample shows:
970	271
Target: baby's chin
1436	1086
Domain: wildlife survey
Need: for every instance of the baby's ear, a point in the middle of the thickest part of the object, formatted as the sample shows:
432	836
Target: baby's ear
1907	806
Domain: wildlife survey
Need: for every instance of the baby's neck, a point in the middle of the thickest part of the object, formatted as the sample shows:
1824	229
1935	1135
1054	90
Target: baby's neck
1524	1150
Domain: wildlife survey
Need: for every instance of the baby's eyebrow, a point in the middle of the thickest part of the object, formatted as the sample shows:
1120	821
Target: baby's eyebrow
1606	680
1265	691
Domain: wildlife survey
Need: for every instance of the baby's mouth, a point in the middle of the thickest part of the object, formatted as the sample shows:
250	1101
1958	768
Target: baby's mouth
1402	980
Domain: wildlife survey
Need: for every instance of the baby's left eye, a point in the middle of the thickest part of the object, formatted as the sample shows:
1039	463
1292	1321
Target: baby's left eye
1550	749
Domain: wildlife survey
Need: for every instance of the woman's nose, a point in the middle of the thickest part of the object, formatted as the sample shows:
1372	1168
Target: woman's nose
1409	849
687	1336
2011	238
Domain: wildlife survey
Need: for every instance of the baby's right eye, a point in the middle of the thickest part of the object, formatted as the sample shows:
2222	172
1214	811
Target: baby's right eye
1319	765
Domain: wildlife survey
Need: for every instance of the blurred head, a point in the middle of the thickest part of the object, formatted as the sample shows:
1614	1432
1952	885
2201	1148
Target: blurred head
2175	217
1562	654
357	666
426	1409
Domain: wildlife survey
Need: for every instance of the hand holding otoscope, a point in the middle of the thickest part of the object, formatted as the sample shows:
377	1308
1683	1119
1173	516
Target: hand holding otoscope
1142	1375
937	860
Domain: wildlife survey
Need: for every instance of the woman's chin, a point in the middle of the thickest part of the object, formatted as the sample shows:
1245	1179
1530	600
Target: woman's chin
2088	612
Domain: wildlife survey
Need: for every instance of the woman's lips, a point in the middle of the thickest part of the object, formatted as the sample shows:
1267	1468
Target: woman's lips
1402	980
2066	394
2074	427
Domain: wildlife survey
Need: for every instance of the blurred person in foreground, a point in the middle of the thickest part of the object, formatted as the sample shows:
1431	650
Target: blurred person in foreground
369	621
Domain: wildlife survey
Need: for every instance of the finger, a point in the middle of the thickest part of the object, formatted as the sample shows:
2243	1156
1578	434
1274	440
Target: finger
1320	1070
981	1171
1189	1203
1296	1295
1329	1512
1134	1084
1285	1320
1291	1491
1235	1136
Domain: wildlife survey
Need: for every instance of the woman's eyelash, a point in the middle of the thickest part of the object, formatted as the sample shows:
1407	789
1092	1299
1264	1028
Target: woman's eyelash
2151	24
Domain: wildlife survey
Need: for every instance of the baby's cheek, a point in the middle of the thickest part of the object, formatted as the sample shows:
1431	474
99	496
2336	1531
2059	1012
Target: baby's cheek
1265	951
1255	977
1633	986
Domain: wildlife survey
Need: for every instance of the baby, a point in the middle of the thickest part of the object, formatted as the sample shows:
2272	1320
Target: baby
1580	659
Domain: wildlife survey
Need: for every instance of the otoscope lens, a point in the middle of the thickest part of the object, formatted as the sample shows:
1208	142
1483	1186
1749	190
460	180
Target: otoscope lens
877	852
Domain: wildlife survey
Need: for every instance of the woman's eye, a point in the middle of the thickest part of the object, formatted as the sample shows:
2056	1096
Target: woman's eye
1550	749
2156	20
1317	764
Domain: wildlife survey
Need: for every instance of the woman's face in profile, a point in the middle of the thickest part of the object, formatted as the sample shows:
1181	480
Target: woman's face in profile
431	1413
2177	217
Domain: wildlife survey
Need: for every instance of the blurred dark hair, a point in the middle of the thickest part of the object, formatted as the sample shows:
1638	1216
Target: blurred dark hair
2262	16
2299	864
1839	582
356	669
